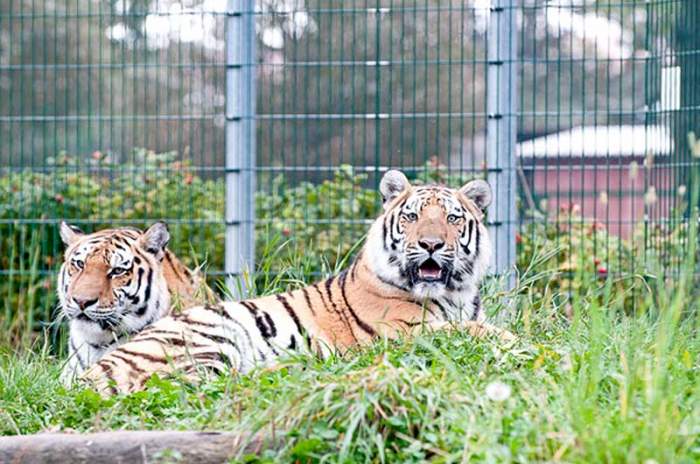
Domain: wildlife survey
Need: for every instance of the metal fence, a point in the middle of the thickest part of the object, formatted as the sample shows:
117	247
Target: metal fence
208	114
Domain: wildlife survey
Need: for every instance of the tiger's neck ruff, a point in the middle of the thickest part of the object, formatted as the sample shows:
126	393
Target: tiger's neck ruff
420	267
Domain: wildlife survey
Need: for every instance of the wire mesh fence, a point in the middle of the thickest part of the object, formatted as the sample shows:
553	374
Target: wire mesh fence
115	112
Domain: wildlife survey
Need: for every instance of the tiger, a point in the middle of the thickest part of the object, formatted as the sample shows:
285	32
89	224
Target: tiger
112	284
420	268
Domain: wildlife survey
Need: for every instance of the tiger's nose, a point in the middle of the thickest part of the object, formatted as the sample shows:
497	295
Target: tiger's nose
431	244
84	303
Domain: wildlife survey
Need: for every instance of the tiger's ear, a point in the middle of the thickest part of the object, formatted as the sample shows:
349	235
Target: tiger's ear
155	239
478	191
392	185
69	234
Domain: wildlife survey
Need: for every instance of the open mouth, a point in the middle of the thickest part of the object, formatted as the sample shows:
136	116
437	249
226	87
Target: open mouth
430	271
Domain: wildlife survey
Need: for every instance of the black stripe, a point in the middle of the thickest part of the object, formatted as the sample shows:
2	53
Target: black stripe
110	377
469	239
137	252
169	260
149	283
328	283
392	284
146	356
260	322
353	269
185	318
384	234
105	324
442	309
291	313
96	346
150	320
264	323
215	338
142	309
128	361
119	246
213	356
478	241
219	310
320	294
392	233
270	323
266	334
175	341
363	325
135	297
262	327
409	323
343	316
154	330
476	306
250	306
468	267
308	300
385	297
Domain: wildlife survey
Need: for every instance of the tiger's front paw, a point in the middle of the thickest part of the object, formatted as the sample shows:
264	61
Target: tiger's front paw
506	336
484	329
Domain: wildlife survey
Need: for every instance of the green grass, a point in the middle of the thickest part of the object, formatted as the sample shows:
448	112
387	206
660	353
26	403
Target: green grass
602	385
609	372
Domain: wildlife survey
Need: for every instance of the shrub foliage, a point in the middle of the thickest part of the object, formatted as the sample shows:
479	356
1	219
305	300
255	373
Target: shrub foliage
328	217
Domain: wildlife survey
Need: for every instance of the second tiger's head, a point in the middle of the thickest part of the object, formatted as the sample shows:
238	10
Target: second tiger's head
431	239
113	277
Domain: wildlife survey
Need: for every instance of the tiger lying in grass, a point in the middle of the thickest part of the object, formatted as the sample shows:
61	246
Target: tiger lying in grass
112	284
420	267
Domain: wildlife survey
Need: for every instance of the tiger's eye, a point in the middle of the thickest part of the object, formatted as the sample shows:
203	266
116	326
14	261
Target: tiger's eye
411	217
79	263
452	219
117	271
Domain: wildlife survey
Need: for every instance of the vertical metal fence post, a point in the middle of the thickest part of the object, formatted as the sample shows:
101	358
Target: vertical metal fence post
501	130
240	141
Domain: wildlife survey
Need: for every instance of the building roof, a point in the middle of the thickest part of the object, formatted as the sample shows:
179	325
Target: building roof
600	141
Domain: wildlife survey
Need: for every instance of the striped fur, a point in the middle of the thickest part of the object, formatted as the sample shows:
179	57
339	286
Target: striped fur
420	267
112	284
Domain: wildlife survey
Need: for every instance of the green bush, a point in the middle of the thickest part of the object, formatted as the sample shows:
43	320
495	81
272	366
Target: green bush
327	218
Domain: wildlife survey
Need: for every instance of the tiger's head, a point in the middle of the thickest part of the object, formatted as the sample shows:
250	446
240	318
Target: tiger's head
430	240
112	280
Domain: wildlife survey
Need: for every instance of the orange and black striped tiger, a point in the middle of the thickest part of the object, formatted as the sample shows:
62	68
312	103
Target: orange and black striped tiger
112	284
420	267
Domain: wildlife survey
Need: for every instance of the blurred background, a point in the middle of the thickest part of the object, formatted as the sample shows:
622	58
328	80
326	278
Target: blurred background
113	112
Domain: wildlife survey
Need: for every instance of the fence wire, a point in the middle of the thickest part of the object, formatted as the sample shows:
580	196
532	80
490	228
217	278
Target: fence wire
113	112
